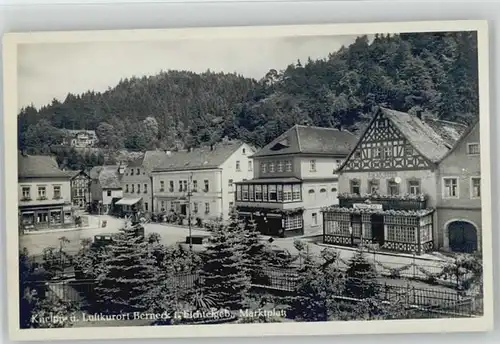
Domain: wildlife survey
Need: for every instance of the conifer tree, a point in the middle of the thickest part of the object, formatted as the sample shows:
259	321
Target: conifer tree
361	277
129	274
319	281
255	253
223	273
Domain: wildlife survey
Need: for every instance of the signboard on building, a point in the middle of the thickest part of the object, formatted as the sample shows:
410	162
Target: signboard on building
367	206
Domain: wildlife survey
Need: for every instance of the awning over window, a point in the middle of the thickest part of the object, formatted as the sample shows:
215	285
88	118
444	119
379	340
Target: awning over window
128	201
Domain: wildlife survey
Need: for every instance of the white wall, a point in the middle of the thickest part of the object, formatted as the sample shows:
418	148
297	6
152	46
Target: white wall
114	194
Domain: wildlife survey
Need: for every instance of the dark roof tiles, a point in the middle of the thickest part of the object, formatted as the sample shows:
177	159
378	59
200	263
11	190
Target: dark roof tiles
310	140
40	166
199	158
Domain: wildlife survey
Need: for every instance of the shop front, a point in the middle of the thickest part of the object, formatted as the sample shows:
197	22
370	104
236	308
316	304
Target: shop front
275	222
45	217
407	231
129	205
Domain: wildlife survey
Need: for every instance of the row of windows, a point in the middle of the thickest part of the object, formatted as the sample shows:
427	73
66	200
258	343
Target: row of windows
269	193
183	186
79	192
42	192
384	152
393	188
133	189
451	187
133	171
195	207
276	166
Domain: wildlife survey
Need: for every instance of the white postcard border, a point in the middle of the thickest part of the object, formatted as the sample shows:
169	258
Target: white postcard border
10	44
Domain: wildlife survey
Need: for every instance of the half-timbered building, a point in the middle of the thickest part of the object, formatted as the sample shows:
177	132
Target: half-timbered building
80	190
388	184
293	179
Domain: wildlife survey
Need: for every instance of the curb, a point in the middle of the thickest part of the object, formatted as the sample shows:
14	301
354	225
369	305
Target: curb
62	230
400	255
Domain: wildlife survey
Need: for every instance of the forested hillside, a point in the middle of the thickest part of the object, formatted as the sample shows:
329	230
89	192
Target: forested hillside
433	72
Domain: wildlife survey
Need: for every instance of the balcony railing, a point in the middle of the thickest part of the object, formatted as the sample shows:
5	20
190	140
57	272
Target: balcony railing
402	202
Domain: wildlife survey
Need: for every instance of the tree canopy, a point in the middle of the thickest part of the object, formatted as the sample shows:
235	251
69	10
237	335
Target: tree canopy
436	72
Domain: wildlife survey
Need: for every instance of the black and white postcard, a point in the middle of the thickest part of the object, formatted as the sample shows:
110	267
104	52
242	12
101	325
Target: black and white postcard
287	180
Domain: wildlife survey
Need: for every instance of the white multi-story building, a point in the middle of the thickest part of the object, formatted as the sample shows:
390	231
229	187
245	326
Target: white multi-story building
201	181
294	177
44	194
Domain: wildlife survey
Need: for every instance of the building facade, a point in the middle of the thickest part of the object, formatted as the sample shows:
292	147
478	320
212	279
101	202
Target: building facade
137	183
459	195
201	181
80	190
388	185
44	195
294	178
80	138
106	188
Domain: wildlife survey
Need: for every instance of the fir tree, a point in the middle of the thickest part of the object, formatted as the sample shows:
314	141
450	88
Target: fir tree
256	253
361	277
223	274
129	274
318	284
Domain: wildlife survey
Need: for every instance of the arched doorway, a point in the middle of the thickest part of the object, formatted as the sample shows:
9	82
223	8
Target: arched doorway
462	236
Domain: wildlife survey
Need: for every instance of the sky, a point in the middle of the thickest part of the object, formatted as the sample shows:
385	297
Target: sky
48	71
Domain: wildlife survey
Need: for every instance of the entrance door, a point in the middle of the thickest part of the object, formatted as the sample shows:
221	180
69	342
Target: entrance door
184	209
378	229
463	236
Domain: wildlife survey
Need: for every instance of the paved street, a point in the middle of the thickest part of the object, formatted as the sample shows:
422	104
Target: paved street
35	243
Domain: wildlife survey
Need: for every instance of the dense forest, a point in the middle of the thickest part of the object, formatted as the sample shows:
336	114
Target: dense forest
433	72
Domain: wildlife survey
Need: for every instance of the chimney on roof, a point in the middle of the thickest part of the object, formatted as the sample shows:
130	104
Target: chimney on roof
211	147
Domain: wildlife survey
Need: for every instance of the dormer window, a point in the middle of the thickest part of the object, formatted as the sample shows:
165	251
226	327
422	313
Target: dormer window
281	145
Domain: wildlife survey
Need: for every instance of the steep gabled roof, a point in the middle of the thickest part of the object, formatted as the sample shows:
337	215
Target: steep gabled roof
420	135
198	158
39	166
464	136
310	140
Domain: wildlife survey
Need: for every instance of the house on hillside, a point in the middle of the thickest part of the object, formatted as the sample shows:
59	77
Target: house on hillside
459	195
294	177
80	138
201	181
388	185
44	196
105	187
137	182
